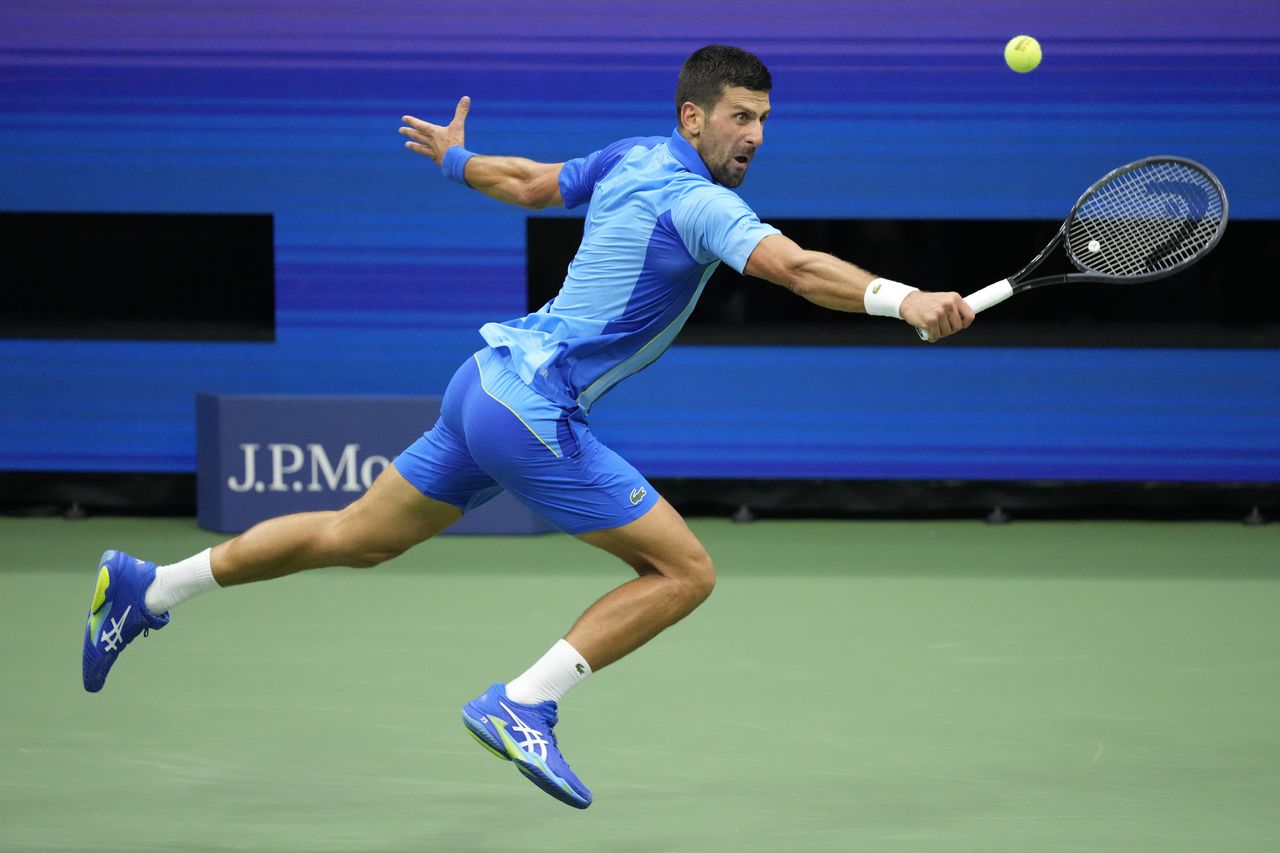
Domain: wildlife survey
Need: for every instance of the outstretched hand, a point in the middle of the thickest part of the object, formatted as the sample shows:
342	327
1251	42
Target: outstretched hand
432	140
939	314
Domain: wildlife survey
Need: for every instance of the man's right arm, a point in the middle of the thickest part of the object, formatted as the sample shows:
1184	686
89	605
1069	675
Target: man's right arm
832	283
514	180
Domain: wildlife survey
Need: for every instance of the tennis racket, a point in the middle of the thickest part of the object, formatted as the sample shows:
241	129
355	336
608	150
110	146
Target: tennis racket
1144	221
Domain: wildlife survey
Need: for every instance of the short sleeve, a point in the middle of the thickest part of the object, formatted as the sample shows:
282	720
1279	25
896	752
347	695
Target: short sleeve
578	178
715	224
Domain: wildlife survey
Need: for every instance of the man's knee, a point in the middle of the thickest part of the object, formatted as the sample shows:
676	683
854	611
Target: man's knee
698	577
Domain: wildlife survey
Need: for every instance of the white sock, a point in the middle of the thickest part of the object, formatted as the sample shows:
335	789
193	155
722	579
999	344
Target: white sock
176	583
560	669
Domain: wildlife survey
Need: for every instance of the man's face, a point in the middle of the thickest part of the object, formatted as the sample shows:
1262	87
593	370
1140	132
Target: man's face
727	137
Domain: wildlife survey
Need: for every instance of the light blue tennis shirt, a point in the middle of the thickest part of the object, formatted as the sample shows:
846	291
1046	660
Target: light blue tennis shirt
656	228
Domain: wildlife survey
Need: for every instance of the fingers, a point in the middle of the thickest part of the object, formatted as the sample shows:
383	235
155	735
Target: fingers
432	140
945	314
459	116
460	112
953	315
419	141
950	319
419	129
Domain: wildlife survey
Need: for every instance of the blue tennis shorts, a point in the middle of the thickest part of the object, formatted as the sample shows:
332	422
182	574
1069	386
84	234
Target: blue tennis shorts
495	433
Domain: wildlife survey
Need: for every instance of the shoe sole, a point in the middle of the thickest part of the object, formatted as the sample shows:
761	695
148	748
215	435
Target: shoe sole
535	775
530	768
105	583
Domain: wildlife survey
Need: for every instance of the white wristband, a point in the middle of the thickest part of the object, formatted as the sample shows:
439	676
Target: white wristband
883	297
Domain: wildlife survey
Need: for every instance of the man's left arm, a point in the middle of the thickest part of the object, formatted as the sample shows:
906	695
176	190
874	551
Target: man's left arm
514	180
826	280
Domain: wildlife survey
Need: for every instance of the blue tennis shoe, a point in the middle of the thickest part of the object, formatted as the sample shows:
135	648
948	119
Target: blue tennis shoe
523	734
117	614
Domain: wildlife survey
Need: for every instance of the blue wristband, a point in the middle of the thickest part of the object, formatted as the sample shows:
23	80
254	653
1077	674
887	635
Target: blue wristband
454	164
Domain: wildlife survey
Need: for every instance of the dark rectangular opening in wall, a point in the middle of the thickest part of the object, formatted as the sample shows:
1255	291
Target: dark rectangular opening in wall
148	276
1216	303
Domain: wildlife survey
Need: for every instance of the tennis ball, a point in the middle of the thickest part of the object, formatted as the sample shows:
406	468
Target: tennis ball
1022	54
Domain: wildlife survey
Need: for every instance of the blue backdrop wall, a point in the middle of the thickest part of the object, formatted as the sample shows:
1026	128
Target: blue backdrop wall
384	270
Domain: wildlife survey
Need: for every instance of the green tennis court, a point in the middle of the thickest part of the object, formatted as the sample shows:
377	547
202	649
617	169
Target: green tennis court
879	686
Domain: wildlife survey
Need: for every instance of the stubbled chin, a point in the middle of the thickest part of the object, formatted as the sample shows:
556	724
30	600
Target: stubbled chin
729	176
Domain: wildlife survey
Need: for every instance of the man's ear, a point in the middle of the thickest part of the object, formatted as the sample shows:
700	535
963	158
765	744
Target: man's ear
691	118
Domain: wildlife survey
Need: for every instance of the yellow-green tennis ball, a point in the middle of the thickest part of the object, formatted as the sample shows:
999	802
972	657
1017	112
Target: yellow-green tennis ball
1022	54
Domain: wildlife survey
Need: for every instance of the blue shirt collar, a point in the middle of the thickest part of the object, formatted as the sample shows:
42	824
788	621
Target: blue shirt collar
687	155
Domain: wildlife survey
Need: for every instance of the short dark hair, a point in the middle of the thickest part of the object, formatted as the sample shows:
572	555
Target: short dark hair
712	69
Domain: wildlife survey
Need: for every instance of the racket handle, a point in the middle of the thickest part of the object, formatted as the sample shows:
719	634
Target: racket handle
992	294
981	300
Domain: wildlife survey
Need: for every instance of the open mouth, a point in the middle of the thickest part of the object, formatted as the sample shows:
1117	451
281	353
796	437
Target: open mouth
742	160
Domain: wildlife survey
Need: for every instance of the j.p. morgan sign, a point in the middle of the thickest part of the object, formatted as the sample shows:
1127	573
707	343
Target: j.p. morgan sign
259	456
292	467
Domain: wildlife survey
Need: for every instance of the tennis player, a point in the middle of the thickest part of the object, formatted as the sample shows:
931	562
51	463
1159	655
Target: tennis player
661	215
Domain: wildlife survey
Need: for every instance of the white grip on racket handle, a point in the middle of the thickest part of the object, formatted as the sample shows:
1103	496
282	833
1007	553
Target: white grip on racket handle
992	294
981	300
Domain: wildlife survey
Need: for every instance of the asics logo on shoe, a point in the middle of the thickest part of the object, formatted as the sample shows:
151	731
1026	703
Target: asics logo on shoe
113	639
533	739
637	495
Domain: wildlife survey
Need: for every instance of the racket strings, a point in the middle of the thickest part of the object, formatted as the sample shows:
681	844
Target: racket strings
1150	219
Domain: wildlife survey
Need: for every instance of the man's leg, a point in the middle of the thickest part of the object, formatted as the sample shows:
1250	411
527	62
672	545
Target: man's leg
676	575
391	517
132	596
388	519
549	459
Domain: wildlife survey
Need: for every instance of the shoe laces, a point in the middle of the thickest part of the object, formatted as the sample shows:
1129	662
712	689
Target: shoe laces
551	730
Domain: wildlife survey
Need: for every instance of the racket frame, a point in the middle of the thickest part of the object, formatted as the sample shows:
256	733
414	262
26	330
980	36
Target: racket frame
994	294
